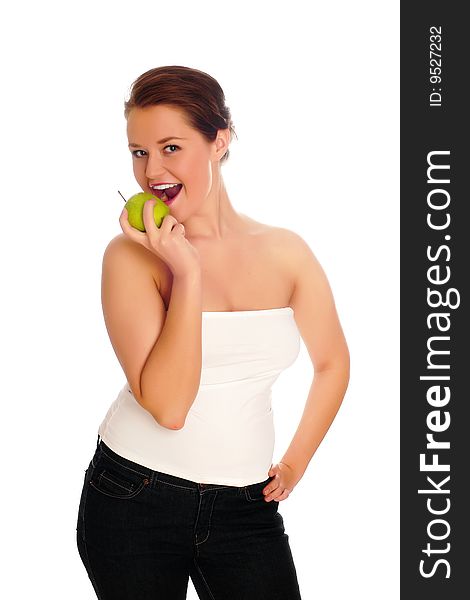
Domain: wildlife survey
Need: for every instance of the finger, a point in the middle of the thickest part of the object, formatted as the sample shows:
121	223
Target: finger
170	226
153	233
272	485
270	489
167	224
283	496
148	218
277	494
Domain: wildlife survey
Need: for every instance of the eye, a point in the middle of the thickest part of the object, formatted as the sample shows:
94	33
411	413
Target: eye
134	152
172	146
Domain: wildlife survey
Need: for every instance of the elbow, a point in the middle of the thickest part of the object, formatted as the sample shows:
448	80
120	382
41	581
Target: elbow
173	424
164	420
345	369
171	416
338	364
169	421
347	365
343	362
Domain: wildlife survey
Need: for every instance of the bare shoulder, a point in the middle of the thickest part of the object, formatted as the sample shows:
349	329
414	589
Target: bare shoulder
286	248
121	243
288	244
299	261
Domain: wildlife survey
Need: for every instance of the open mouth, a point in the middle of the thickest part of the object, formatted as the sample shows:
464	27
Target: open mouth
168	194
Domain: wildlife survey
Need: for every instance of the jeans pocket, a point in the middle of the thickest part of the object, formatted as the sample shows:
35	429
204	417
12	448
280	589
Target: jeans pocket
117	481
254	492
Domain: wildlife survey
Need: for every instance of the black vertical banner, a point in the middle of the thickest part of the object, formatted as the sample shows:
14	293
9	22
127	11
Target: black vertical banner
434	295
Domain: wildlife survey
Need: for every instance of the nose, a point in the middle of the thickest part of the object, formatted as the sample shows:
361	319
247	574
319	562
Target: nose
154	168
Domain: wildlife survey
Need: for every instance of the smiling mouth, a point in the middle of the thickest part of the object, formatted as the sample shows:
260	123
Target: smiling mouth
167	194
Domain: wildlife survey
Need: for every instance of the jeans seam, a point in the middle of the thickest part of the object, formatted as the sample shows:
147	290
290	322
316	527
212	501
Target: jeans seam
124	466
182	487
251	498
128	496
204	579
209	523
103	476
93	576
82	534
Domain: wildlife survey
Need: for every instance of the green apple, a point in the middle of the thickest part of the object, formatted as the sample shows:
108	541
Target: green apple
135	210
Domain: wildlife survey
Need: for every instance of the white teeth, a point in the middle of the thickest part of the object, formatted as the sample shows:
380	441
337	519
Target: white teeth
163	186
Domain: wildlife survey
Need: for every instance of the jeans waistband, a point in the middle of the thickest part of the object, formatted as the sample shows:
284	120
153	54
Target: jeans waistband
159	475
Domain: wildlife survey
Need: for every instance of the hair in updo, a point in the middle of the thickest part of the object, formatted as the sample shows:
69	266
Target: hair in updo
198	94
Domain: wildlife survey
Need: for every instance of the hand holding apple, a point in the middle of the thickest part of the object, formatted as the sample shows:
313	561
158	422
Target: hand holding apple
160	233
135	210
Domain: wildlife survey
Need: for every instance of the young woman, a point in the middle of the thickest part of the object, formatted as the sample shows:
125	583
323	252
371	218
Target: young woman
203	313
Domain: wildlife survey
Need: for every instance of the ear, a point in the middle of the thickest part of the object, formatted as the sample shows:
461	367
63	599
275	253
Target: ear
222	142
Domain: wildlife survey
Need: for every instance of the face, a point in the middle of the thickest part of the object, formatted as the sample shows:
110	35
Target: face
165	149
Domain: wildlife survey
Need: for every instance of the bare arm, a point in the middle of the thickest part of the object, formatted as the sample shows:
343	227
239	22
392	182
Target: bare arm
320	328
159	352
172	372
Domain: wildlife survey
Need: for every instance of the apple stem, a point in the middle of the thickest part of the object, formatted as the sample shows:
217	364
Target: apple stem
121	196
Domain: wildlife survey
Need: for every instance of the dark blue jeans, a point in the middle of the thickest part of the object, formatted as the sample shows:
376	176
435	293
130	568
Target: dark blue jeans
141	534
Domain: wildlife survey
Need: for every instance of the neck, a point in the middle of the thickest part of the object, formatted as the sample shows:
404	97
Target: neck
216	219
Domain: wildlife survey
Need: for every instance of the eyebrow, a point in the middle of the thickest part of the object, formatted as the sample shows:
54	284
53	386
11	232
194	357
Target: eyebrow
172	137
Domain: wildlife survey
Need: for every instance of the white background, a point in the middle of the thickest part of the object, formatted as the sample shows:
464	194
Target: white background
313	90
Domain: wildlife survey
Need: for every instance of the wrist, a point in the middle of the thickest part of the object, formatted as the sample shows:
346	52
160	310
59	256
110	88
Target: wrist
192	277
298	473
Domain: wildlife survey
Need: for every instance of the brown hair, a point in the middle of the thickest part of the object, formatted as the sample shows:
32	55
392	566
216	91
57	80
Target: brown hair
197	93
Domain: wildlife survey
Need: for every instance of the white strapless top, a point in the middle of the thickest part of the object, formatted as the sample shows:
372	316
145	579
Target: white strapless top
228	436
